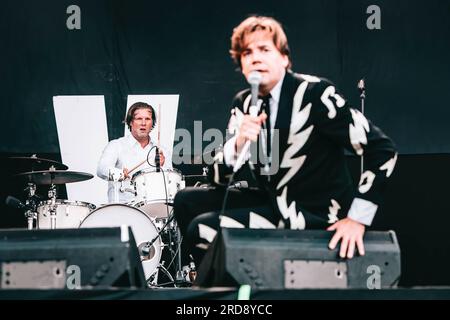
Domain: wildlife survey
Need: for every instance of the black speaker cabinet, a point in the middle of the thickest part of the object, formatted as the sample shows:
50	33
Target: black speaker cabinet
293	259
69	259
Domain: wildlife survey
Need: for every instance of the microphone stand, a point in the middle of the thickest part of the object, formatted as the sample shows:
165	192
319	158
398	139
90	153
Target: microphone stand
31	215
362	90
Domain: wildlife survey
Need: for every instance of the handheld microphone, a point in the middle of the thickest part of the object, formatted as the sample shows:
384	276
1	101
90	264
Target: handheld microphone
254	79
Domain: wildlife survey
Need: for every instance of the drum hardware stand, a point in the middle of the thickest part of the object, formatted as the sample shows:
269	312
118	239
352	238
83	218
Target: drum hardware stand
192	269
180	279
123	189
31	215
180	273
151	282
52	208
180	276
150	243
153	279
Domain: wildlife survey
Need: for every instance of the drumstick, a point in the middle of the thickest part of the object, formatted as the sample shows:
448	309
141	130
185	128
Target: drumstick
137	166
159	125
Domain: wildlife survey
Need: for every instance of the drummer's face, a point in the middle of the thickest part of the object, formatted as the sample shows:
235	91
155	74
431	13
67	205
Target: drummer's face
141	124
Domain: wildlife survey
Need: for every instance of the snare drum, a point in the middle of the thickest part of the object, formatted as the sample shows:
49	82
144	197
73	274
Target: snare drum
144	231
152	185
154	190
69	214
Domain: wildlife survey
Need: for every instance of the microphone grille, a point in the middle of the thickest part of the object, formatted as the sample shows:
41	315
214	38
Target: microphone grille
254	78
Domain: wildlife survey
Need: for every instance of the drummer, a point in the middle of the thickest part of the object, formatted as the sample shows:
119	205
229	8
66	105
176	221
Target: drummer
125	156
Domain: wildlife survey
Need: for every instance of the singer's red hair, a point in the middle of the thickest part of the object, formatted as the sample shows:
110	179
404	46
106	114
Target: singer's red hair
258	23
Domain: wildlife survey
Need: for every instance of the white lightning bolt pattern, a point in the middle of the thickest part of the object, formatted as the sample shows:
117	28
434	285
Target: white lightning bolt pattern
366	181
246	103
256	221
333	210
206	232
310	78
357	131
340	102
227	222
235	121
297	219
389	166
296	140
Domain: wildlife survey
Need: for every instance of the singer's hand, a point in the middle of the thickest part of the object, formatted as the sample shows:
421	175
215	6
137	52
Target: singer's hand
350	233
162	159
249	130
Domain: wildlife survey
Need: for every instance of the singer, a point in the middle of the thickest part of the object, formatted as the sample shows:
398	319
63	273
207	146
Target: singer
312	187
120	155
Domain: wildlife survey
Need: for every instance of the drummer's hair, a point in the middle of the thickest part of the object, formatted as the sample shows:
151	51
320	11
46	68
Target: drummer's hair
136	106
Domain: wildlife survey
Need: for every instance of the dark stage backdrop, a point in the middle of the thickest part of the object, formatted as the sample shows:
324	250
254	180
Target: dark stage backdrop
181	47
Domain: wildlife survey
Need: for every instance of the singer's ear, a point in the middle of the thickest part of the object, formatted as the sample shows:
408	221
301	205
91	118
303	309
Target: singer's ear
285	60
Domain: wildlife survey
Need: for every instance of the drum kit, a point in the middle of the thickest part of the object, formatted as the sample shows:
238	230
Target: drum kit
150	214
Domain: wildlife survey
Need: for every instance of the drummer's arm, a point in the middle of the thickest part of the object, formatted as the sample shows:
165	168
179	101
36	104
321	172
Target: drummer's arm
165	158
106	168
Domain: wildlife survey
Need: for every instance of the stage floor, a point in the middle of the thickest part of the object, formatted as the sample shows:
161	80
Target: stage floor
419	293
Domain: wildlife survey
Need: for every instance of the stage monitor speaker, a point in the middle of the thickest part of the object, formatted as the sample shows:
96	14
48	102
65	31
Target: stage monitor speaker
293	259
70	259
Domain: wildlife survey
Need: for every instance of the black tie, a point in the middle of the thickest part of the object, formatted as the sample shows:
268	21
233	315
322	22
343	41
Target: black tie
266	107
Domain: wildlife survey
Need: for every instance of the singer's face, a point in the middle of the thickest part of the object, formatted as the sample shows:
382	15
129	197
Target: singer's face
261	54
141	125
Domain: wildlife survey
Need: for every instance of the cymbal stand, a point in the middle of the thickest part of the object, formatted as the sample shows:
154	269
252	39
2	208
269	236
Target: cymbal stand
52	208
153	280
31	215
180	273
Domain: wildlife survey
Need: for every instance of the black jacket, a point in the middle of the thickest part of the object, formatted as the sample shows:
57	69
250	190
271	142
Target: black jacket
315	125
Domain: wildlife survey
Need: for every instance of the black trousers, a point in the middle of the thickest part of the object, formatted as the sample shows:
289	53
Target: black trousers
198	215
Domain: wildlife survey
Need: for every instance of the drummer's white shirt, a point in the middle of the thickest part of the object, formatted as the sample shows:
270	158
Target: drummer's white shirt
126	152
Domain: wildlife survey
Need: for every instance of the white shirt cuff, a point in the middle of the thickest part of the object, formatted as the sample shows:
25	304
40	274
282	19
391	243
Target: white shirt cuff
362	211
230	155
229	152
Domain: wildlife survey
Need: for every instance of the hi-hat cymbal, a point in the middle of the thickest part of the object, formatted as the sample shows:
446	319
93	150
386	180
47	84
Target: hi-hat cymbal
34	163
54	176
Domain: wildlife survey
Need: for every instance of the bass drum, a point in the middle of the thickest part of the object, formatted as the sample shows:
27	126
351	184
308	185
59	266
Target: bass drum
144	231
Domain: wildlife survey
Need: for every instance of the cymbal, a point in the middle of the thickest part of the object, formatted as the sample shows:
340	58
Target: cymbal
54	176
34	163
